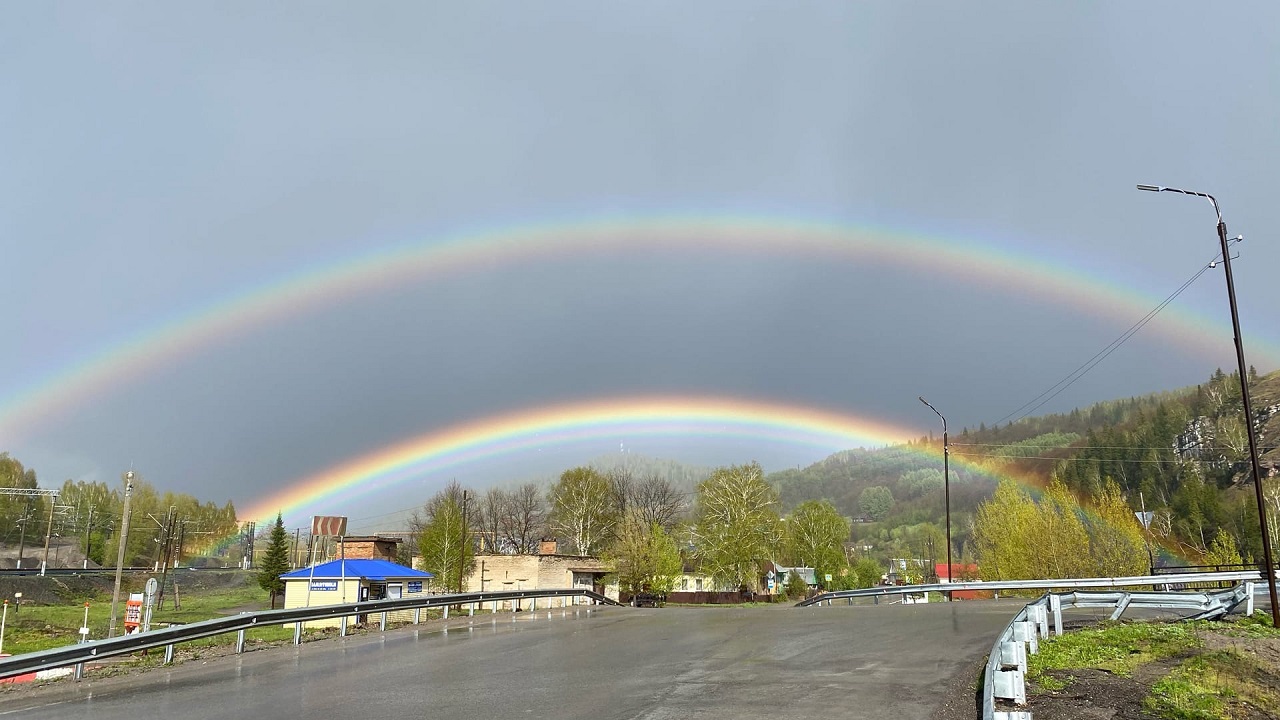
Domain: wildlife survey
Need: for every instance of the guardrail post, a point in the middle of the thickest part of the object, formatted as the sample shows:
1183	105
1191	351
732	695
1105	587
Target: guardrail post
168	654
297	633
1026	632
240	642
1121	606
1055	603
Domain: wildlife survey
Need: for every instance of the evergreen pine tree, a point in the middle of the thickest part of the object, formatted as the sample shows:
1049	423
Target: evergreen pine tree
275	562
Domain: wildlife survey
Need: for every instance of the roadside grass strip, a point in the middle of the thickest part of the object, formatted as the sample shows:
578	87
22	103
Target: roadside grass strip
1206	686
1209	684
1114	647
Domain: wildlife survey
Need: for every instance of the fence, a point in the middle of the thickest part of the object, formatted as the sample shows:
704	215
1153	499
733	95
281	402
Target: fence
77	655
1138	581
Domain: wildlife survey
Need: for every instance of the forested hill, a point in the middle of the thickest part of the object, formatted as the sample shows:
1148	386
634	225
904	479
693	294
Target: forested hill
1182	453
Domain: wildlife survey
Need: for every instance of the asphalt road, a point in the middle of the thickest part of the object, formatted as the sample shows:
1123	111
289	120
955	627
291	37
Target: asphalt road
609	662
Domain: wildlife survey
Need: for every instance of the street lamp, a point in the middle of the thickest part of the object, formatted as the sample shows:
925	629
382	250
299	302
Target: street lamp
946	484
1244	393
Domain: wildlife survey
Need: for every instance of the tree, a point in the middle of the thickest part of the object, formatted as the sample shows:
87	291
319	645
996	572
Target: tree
522	519
876	501
815	535
868	572
656	500
737	524
275	561
1001	528
1223	550
1116	544
443	539
490	510
796	587
644	557
583	509
923	481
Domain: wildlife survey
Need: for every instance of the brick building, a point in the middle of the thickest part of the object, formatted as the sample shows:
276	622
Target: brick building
546	570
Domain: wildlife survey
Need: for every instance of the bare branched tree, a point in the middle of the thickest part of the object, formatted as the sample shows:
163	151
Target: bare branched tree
523	520
655	500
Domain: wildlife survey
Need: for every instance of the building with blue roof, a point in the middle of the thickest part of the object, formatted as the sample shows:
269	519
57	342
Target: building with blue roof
344	581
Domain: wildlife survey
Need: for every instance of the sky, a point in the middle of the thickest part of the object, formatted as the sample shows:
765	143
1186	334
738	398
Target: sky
245	245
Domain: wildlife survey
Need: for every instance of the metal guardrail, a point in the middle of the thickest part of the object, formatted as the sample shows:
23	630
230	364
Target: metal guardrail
997	585
168	637
1004	677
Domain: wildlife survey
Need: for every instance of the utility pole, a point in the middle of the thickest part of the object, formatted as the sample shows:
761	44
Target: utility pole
124	539
22	536
48	533
88	532
462	548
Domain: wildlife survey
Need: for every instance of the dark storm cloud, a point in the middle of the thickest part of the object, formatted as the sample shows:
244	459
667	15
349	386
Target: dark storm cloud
161	157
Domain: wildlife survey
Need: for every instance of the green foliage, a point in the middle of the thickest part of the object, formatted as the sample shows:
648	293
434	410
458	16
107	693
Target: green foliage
1116	544
443	538
815	537
876	502
915	483
645	558
1117	648
737	524
1034	447
583	509
275	561
1018	539
867	572
796	586
1223	551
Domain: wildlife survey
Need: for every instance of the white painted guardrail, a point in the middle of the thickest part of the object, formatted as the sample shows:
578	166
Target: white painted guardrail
76	655
1004	678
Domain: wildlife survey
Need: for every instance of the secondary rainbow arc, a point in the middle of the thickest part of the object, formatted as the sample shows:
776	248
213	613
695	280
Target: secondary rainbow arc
314	288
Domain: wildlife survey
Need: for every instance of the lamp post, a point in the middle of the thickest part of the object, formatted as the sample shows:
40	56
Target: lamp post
946	484
1244	393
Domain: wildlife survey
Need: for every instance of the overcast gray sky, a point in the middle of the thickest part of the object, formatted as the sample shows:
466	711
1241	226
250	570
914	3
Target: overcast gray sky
157	160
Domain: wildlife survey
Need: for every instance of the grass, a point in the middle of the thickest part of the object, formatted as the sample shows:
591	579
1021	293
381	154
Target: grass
1203	686
1117	648
31	628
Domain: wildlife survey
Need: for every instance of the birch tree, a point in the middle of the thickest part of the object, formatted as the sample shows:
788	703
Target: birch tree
583	509
737	524
815	536
443	539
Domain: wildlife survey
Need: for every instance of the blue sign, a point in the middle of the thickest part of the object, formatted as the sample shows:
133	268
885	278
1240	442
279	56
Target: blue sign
415	586
324	584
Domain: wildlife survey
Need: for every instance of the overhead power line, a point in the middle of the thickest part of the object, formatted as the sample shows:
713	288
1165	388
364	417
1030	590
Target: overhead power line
1054	390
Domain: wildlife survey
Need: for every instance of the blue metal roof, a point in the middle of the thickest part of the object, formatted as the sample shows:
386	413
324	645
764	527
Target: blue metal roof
366	569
